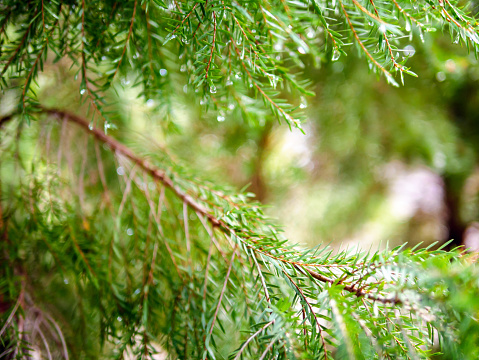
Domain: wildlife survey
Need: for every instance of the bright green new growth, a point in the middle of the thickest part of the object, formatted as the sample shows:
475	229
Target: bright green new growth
109	251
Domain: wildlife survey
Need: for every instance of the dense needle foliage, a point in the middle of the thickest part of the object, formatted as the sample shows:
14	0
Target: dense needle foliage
110	250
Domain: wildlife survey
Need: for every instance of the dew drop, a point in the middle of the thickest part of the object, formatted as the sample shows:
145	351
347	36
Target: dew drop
274	81
183	68
107	126
409	50
238	75
82	91
408	26
90	126
303	104
441	76
120	171
169	37
220	118
129	231
229	82
65	281
301	50
336	55
163	72
213	89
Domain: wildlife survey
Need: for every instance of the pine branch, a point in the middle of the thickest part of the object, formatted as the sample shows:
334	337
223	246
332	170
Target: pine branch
196	206
101	225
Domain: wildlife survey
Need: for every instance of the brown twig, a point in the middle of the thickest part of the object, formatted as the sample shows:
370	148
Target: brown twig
187	236
130	31
40	53
19	46
212	46
263	355
251	338
222	292
361	44
409	16
184	19
386	39
10	317
320	330
83	63
150	50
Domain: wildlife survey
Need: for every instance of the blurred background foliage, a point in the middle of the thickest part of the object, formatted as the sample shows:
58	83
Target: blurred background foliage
376	164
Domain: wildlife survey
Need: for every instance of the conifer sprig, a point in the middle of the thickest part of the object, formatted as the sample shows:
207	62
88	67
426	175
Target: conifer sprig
161	262
225	267
258	41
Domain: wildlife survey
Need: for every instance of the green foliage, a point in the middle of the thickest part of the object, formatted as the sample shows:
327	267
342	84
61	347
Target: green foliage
113	252
229	51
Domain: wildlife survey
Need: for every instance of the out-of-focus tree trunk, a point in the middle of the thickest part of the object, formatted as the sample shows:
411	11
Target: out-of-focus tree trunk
464	109
455	225
258	186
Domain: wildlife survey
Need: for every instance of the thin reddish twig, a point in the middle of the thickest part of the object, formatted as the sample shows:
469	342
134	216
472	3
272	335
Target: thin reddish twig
361	44
212	46
251	338
222	292
320	330
130	31
19	46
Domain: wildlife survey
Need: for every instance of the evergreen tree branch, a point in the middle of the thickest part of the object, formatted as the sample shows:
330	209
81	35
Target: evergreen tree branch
19	47
130	31
187	199
363	47
247	53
